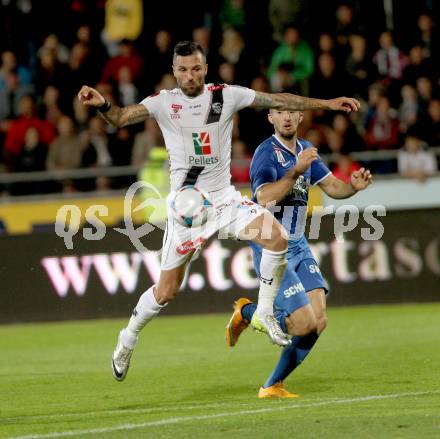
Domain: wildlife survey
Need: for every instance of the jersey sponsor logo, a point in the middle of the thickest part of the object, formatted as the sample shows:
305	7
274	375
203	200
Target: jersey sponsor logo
280	156
216	87
176	108
189	246
293	290
246	204
202	143
202	160
201	146
300	187
314	269
287	164
217	107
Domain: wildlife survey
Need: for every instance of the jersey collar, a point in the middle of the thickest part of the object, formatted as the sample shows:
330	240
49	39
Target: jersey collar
279	143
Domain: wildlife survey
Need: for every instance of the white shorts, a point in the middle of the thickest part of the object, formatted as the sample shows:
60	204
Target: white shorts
231	214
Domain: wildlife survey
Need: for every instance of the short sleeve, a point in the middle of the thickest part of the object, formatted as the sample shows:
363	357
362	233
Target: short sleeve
152	103
263	170
242	97
319	171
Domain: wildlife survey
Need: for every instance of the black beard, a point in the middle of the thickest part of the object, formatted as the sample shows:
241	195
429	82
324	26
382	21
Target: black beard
192	94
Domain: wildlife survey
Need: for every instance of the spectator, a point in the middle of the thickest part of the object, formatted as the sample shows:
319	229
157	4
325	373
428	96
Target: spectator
415	160
233	14
253	123
429	125
11	95
31	159
50	109
428	35
126	57
345	25
232	45
296	52
358	66
159	57
127	91
96	153
9	65
344	167
389	59
352	141
52	44
315	135
424	90
327	82
409	107
144	141
240	162
334	141
226	73
383	129
167	82
64	151
80	69
281	13
49	72
15	138
202	35
233	50
375	91
418	65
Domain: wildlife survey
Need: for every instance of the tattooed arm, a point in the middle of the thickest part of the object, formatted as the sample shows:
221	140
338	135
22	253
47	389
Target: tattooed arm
116	116
291	102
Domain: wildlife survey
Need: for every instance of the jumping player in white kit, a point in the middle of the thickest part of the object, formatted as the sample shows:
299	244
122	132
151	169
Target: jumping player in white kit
196	122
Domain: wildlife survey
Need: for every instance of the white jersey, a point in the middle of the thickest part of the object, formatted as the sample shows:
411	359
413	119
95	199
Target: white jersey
198	132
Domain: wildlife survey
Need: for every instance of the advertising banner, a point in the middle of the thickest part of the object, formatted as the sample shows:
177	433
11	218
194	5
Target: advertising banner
96	278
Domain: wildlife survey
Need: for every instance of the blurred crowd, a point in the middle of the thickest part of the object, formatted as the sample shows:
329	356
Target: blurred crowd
276	46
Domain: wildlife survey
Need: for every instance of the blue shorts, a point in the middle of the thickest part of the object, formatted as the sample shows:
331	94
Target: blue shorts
302	275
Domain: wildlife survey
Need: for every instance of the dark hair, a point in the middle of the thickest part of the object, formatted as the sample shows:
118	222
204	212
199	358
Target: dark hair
186	48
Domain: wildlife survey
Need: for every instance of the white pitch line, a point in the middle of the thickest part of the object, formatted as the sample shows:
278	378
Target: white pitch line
177	420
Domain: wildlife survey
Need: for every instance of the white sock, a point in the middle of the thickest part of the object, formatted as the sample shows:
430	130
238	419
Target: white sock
146	308
272	268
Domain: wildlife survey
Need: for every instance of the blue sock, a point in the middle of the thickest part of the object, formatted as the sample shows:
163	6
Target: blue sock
291	357
248	311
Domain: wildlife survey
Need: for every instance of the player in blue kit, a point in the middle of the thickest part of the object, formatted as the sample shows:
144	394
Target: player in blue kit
282	169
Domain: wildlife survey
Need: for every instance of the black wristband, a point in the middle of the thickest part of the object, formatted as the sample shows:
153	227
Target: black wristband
105	107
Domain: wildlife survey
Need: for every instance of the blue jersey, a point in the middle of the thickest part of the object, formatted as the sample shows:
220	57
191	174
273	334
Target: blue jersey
270	163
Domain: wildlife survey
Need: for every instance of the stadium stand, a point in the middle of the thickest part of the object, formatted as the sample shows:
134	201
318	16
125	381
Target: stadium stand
49	143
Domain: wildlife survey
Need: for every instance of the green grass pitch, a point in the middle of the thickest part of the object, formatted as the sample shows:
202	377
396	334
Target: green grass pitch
375	373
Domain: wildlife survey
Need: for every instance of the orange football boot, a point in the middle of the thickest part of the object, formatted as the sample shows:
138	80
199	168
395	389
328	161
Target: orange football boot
276	391
237	324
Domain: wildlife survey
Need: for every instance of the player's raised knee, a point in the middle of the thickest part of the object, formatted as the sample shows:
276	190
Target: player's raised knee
278	240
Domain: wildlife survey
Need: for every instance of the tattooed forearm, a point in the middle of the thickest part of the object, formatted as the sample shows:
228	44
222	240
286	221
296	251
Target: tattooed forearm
113	116
119	117
133	114
287	101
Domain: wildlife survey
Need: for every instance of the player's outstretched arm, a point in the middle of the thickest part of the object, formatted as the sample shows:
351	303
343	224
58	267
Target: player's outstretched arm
338	189
291	102
114	115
